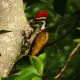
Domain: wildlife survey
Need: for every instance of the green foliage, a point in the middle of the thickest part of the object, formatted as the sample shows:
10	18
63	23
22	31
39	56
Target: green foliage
36	78
27	73
60	6
31	2
62	24
34	71
0	77
38	63
77	40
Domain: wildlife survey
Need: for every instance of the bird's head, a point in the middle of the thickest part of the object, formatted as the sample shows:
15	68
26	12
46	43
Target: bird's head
40	18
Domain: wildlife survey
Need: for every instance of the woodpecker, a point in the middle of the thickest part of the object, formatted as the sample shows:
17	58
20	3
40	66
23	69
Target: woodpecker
42	37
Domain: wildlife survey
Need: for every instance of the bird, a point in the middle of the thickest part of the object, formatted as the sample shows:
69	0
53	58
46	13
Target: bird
42	37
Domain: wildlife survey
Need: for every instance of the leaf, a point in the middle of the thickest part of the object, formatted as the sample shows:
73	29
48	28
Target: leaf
78	28
77	40
12	77
4	31
38	64
36	78
0	77
43	58
27	73
29	77
60	6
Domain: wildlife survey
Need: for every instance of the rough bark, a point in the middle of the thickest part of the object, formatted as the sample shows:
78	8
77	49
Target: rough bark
12	18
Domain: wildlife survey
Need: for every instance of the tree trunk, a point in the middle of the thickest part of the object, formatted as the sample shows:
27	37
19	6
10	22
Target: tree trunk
12	18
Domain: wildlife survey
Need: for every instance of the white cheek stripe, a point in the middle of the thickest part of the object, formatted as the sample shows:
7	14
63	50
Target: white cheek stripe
43	26
41	18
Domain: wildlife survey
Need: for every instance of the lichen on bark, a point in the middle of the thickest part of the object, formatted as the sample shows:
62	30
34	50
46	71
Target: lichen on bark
12	18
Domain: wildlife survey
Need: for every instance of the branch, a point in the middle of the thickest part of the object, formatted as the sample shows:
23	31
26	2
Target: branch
67	62
12	20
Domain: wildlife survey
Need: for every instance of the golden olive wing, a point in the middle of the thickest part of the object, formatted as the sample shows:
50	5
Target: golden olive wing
39	42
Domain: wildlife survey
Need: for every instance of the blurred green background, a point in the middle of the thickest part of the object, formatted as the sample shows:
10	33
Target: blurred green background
62	24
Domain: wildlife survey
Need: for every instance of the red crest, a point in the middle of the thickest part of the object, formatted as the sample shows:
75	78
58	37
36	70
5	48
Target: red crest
41	14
